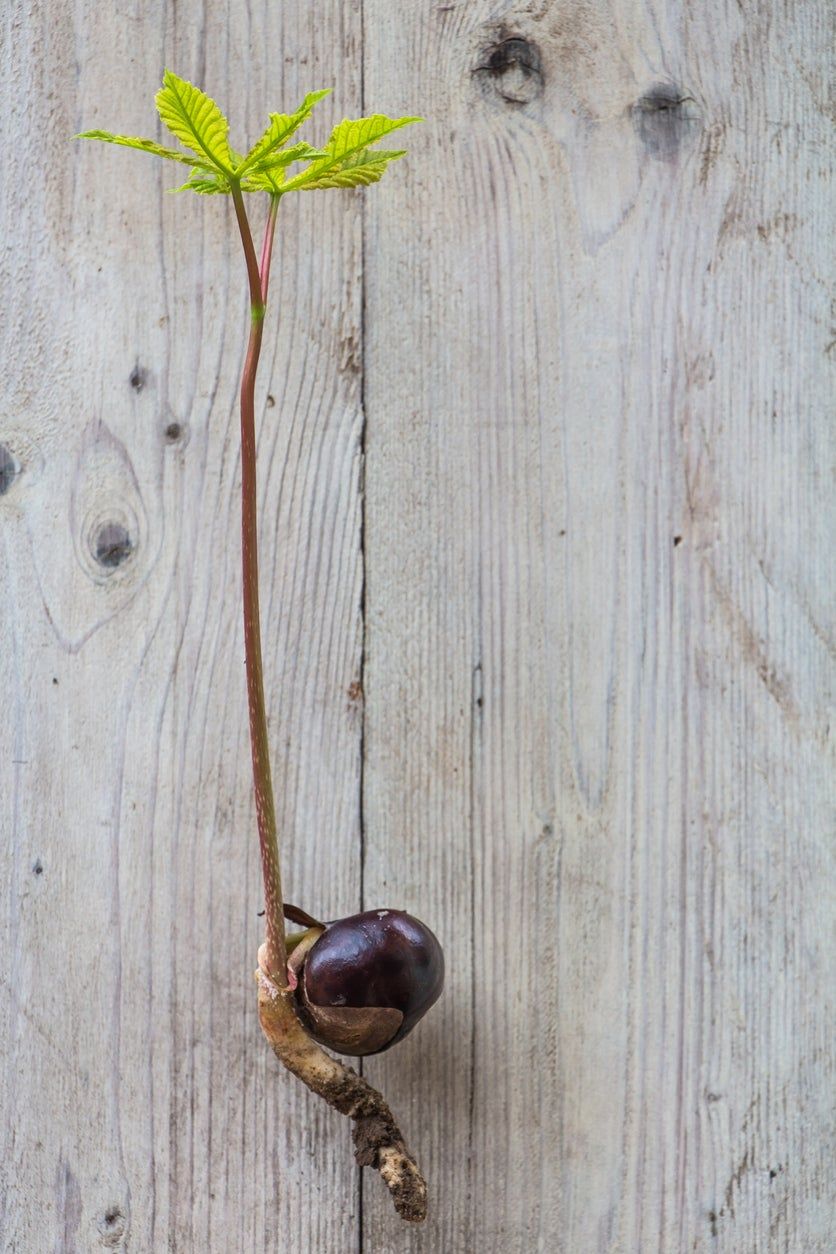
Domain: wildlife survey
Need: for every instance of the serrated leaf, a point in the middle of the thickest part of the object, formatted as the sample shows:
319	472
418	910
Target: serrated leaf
262	181
144	145
282	126
205	187
195	119
350	158
205	183
357	171
299	152
268	176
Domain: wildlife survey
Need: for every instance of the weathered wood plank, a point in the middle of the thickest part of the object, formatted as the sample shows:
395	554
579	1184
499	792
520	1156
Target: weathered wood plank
142	1109
597	642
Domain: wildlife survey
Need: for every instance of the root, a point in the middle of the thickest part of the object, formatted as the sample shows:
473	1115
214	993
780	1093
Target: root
378	1140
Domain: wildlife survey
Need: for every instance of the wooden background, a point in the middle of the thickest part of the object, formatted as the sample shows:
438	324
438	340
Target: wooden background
547	545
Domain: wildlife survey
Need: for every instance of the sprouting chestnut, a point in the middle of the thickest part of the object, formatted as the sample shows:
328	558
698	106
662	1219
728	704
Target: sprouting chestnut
367	980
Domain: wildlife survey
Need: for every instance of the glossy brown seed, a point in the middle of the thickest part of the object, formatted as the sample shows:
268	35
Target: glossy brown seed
383	962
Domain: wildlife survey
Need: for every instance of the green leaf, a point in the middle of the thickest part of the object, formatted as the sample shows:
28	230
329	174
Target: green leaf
263	181
299	152
358	171
350	158
282	126
206	183
268	175
195	119
144	145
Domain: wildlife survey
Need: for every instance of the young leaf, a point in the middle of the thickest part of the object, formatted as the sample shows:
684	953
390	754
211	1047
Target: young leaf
195	119
282	126
263	181
298	152
350	158
145	145
357	171
206	182
268	175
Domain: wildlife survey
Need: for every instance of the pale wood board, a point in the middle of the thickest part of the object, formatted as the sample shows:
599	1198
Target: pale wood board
547	598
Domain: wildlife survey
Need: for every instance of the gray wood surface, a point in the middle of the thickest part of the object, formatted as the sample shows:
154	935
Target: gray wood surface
547	535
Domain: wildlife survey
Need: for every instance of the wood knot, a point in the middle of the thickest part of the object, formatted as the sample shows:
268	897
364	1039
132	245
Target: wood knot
112	545
511	69
355	692
663	119
9	469
112	1227
138	377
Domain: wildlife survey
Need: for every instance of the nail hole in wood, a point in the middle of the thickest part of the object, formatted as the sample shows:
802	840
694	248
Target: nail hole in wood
271	400
38	867
173	432
9	469
113	545
512	70
677	540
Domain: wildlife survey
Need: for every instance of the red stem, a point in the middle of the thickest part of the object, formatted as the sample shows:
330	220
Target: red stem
267	248
276	952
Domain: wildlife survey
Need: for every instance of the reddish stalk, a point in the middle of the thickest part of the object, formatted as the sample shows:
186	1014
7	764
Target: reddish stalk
276	952
378	1141
267	249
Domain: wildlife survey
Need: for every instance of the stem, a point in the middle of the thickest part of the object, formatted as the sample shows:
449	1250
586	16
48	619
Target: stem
276	952
267	248
378	1141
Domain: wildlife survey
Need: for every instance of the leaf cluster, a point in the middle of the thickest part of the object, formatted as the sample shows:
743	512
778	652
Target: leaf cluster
349	159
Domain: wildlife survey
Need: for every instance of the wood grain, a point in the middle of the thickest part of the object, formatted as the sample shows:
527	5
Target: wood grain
597	632
547	601
142	1109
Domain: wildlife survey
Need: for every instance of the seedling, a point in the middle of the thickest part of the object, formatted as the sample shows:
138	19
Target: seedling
360	984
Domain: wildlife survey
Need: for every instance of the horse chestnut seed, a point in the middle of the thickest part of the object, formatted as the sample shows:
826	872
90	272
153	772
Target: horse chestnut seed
368	979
